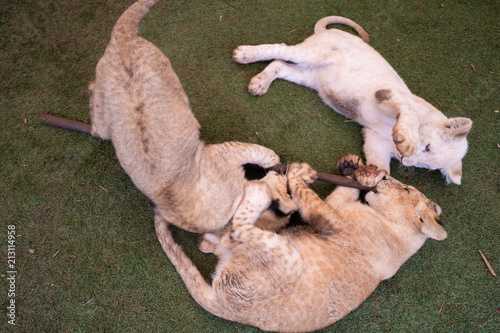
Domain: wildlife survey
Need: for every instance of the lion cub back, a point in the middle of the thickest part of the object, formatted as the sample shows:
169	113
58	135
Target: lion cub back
138	102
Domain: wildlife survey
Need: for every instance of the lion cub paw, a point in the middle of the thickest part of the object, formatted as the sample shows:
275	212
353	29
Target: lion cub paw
268	159
208	243
302	171
245	54
369	175
259	84
351	166
348	164
405	143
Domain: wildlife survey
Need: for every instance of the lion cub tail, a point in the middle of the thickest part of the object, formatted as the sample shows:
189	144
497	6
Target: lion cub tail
199	289
127	25
324	22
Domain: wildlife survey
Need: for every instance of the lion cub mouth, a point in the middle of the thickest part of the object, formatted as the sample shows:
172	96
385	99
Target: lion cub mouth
381	184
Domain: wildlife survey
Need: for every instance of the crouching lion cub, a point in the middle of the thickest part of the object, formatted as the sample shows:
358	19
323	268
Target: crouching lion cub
138	102
305	278
357	82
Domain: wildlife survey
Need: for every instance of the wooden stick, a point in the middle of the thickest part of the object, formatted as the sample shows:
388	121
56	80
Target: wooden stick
329	178
487	263
441	308
64	123
57	318
85	128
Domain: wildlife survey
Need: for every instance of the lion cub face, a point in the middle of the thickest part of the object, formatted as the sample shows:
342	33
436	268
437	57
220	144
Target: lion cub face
442	147
405	204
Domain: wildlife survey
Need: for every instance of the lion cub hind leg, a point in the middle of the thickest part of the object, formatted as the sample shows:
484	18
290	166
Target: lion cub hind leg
279	69
100	126
246	54
210	243
308	53
240	153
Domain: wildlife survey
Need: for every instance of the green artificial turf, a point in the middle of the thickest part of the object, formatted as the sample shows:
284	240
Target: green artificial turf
87	257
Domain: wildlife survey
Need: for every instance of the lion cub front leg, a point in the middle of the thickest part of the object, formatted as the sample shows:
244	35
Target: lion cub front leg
252	242
309	204
256	200
400	106
351	166
405	135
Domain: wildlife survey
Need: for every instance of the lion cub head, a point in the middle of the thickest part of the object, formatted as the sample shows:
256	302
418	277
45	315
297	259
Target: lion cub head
442	146
405	204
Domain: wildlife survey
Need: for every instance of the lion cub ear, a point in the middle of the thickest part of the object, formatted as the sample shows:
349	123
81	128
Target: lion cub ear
454	173
430	223
458	128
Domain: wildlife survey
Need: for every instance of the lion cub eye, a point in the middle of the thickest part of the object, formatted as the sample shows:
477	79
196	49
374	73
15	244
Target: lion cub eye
427	148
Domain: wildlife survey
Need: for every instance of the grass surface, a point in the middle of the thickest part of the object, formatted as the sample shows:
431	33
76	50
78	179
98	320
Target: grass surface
97	265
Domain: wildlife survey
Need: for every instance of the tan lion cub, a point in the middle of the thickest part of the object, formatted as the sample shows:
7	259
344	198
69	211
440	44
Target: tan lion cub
308	277
357	82
138	102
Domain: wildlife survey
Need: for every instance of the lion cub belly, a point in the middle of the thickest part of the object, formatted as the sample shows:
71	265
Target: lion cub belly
321	287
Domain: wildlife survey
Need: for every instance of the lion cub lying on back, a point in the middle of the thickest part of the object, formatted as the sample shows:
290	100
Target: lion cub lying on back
308	277
357	82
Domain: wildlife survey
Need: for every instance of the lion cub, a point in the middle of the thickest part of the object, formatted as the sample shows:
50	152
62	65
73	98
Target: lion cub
138	102
305	278
357	82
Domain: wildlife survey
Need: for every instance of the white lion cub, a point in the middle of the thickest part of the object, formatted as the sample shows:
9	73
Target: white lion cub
357	82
